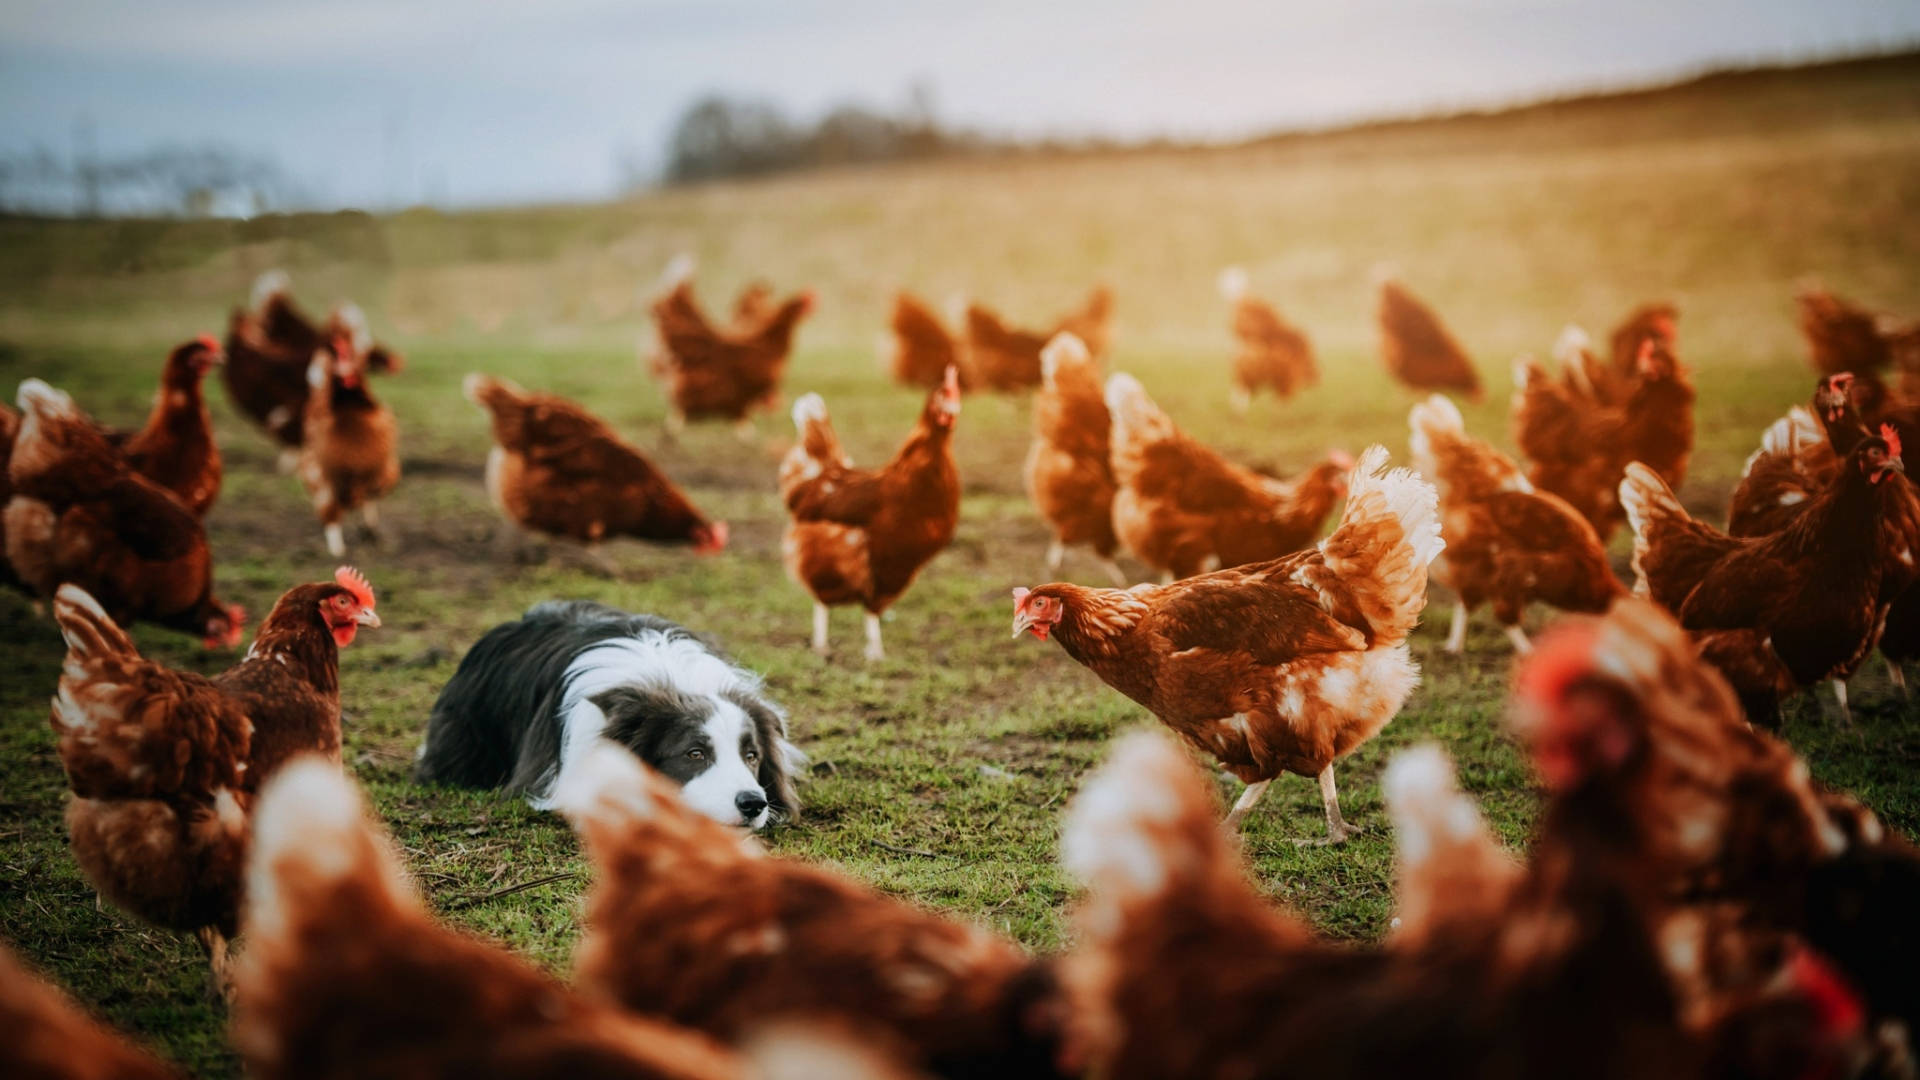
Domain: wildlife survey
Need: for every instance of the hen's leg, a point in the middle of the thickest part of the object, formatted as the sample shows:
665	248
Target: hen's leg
874	651
327	505
1245	803
1056	555
820	628
1840	695
1521	643
1337	828
1898	678
1114	572
1457	633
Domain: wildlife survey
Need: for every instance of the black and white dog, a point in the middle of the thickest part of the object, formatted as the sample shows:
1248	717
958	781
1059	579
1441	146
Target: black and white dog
534	695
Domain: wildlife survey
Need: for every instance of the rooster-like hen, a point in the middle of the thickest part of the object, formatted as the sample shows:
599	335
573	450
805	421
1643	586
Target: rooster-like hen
557	469
164	764
80	514
918	348
1580	443
729	374
1273	354
1069	472
349	456
1418	348
1507	543
859	536
1183	509
43	1036
694	923
347	975
271	342
1782	612
175	448
1281	666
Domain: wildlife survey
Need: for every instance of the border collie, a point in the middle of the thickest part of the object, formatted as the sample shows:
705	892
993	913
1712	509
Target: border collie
533	695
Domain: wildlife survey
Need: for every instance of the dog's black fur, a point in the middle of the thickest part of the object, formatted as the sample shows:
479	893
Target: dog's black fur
499	721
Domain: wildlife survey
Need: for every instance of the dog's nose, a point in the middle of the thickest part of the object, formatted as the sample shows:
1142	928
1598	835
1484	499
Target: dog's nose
749	803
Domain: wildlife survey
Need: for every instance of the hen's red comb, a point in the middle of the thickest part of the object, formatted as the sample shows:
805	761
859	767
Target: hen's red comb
356	583
1020	596
1563	657
1892	438
208	342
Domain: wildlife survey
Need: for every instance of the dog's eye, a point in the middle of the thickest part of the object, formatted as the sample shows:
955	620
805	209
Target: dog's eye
751	756
696	754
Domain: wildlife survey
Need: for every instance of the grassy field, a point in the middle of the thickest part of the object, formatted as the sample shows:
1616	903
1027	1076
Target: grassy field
939	774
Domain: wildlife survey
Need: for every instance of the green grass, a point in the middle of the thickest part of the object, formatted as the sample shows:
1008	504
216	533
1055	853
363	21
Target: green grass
939	775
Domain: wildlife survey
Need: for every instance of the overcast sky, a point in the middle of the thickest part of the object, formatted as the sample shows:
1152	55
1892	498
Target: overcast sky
375	103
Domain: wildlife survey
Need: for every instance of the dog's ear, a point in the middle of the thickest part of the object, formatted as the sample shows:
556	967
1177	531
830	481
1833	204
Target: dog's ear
780	760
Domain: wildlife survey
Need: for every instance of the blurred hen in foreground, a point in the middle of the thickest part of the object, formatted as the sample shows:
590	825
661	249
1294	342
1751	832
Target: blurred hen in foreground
347	975
694	923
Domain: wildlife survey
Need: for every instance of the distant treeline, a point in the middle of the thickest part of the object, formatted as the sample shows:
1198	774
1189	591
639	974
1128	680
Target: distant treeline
720	137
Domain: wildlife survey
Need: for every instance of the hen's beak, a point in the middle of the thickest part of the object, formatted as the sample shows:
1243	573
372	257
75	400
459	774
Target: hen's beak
1022	622
367	617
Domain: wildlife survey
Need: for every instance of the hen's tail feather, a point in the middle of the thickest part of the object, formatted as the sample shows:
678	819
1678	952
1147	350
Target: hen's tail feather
1571	344
1649	503
268	285
1791	433
815	428
1144	825
1436	419
1387	536
91	634
1064	347
1136	419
